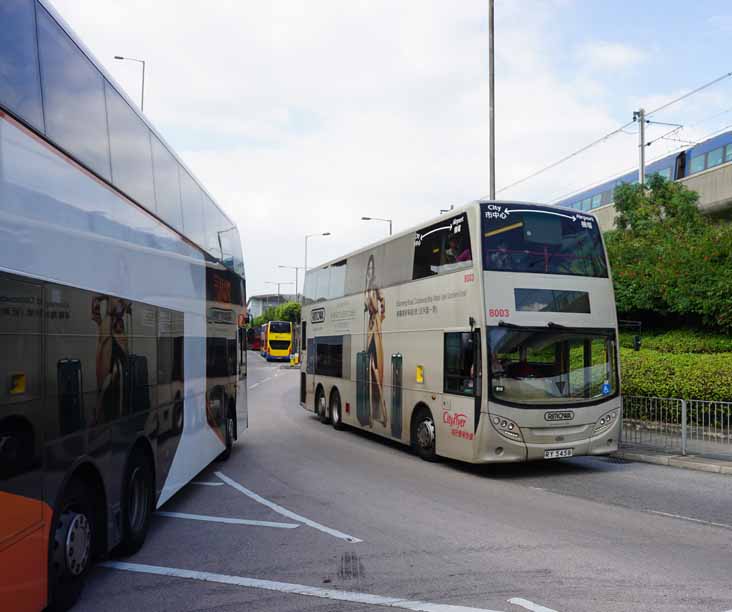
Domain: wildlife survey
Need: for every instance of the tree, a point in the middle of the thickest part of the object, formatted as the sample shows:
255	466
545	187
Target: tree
289	311
668	259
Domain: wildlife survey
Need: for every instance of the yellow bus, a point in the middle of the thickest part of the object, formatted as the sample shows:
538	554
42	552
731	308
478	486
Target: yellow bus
277	341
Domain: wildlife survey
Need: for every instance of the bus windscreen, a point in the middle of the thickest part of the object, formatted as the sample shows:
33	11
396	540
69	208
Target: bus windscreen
541	240
279	327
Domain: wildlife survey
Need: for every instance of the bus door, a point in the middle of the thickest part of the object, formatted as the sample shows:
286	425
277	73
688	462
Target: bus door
457	425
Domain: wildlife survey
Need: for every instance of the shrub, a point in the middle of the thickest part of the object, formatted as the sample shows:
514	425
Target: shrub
686	376
680	341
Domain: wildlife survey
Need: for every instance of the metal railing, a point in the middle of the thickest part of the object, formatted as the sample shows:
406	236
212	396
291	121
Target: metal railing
678	425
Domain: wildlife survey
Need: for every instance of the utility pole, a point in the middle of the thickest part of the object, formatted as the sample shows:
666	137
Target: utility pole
491	104
640	117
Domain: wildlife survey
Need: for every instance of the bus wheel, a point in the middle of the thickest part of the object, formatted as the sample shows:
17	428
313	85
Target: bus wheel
321	407
138	499
424	435
335	410
71	545
229	438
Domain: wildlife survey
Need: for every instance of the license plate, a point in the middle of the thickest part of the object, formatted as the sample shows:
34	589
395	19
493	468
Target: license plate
557	453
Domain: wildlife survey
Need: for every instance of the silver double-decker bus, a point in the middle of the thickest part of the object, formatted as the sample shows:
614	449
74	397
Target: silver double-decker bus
488	334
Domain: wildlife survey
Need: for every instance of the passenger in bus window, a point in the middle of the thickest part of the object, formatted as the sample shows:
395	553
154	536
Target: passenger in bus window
501	257
375	306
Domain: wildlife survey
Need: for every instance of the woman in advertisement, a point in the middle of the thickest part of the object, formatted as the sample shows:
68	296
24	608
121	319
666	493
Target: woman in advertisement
111	354
375	306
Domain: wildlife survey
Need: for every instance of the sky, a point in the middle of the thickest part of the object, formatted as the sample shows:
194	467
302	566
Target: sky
300	117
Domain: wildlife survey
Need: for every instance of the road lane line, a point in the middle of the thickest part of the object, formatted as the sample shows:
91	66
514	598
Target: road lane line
264	380
207	484
292	589
529	605
285	512
223	519
691	519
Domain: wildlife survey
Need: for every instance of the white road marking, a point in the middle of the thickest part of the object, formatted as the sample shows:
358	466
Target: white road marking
207	484
223	519
529	605
285	512
293	589
693	520
264	380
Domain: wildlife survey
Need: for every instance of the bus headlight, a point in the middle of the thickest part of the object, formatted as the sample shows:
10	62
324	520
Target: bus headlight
606	421
506	427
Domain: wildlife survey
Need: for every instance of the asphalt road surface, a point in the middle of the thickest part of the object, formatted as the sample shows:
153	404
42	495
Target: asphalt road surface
318	519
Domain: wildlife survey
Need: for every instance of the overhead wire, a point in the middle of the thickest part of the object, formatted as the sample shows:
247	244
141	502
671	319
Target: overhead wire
621	129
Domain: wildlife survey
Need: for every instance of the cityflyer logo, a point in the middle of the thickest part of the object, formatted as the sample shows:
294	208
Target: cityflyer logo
454	420
317	315
457	423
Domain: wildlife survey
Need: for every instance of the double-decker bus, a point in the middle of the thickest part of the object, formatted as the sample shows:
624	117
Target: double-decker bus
485	335
122	371
277	341
254	338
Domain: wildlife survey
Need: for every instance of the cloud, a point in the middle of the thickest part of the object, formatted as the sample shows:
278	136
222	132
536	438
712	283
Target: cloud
721	22
611	56
302	117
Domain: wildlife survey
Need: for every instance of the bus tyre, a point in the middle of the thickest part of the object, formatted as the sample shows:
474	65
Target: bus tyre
138	499
72	543
335	410
229	439
321	407
424	435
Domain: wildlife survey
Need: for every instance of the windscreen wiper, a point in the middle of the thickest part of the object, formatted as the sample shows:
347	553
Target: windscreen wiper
506	324
554	325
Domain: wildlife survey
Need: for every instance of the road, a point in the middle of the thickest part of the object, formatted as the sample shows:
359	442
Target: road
574	535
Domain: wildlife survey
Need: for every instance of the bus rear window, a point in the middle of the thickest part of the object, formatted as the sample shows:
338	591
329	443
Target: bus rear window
518	238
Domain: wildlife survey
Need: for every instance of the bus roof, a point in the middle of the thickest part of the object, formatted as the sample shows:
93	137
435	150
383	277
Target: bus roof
450	213
209	206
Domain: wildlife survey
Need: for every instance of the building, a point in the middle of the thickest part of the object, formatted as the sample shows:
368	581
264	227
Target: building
257	304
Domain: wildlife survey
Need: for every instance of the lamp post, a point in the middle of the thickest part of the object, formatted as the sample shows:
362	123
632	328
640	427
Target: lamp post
132	59
307	237
278	283
491	104
297	284
378	219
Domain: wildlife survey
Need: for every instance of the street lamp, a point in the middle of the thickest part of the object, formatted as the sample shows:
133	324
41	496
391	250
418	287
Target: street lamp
132	59
297	284
307	236
378	219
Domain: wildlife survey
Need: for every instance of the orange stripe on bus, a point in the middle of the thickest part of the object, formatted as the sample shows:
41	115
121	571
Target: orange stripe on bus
24	553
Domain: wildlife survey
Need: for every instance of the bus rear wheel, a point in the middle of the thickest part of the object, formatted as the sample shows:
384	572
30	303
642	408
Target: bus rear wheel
72	544
321	406
138	500
229	441
425	437
335	410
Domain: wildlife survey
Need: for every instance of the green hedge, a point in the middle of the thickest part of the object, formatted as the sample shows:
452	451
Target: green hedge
686	376
680	341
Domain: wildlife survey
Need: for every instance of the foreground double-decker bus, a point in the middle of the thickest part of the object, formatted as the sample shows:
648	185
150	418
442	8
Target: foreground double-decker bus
277	343
485	335
122	369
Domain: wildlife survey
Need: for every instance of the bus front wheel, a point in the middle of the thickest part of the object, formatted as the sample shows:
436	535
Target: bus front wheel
424	437
71	545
